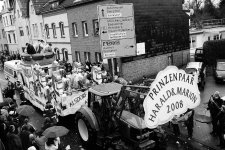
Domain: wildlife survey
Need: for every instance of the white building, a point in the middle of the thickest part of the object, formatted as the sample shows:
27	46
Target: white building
36	20
57	30
198	37
9	25
22	24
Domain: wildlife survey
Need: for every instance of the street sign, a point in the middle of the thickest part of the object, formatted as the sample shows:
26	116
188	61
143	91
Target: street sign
115	11
117	30
118	48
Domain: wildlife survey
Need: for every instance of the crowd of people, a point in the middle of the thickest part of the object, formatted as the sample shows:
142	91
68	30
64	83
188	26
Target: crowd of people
16	133
7	57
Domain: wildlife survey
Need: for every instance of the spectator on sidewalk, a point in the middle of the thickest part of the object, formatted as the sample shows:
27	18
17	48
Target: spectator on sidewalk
189	122
176	129
52	143
24	136
221	131
214	106
14	141
27	126
40	141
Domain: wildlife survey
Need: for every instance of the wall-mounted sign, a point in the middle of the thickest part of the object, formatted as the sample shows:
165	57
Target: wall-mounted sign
140	48
172	93
117	31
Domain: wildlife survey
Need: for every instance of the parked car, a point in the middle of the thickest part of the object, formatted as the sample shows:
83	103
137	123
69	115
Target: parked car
199	69
219	70
199	56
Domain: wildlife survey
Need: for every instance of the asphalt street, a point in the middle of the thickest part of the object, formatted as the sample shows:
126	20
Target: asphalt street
202	139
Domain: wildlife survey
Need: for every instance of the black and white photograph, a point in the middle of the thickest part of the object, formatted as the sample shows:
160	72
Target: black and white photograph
112	74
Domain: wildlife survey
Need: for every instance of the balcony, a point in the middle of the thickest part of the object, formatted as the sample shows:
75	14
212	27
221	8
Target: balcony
10	28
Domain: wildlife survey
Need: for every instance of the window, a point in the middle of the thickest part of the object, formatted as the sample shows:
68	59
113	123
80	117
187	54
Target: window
47	30
77	56
42	31
216	37
4	21
3	33
11	19
21	31
61	26
14	36
85	28
96	27
57	53
28	32
36	30
87	56
54	5
18	13
9	38
66	55
53	30
74	27
98	57
6	18
5	5
32	9
193	42
33	27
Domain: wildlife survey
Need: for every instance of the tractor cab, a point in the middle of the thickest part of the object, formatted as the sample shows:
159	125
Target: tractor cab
101	102
109	120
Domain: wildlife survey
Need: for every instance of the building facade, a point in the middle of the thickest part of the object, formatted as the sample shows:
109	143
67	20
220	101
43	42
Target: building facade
199	36
84	31
9	26
22	24
3	39
161	25
36	21
57	30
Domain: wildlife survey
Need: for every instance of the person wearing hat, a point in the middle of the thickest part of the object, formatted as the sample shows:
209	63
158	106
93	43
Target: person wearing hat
221	123
214	106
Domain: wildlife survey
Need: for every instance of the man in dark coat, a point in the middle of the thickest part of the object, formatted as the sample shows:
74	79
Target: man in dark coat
30	49
190	122
14	141
214	106
221	126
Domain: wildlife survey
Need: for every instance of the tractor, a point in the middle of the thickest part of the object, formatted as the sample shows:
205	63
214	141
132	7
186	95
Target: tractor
113	118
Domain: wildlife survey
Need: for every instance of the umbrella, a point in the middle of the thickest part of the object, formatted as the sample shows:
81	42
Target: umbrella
55	131
25	110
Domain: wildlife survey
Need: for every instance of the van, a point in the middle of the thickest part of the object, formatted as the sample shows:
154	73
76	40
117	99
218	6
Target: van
11	69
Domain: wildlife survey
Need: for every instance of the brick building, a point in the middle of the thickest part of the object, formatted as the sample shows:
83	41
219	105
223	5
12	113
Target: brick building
161	25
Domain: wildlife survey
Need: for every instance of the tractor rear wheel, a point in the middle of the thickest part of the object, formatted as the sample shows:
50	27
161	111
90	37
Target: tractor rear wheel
85	132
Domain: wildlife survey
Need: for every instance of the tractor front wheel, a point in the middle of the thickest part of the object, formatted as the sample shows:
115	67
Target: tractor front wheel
85	132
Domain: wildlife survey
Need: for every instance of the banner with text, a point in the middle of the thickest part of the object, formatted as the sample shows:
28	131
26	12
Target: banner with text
172	93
